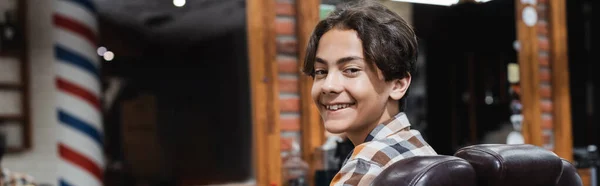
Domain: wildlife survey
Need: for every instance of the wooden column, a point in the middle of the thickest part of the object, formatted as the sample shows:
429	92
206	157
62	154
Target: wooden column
313	132
264	92
561	97
529	67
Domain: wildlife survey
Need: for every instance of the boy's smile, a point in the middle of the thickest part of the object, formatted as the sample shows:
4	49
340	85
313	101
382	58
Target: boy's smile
337	106
351	93
334	109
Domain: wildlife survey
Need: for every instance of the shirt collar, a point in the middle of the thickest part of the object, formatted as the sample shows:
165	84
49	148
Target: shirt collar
389	127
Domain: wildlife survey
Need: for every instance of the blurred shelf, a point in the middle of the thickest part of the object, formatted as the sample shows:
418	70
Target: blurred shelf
10	117
11	86
15	150
10	53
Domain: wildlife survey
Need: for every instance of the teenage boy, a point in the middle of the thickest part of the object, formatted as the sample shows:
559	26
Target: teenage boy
361	59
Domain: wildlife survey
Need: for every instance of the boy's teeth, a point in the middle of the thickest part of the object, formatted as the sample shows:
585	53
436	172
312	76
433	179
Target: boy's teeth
337	107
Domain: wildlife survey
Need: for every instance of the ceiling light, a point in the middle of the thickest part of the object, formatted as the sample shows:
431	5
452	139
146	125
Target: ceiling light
437	2
432	2
109	56
179	3
101	50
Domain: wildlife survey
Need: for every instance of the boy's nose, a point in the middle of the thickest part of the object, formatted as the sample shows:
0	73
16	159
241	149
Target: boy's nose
332	85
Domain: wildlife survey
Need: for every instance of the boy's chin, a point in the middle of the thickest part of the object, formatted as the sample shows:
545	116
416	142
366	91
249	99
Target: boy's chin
336	126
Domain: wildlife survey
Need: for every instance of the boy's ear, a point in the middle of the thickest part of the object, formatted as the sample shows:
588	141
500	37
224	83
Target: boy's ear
399	87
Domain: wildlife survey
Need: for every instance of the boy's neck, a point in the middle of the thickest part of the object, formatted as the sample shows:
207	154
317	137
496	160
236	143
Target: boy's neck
358	137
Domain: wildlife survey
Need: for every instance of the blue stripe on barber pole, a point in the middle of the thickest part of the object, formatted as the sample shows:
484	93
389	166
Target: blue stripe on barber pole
64	55
80	109
81	126
87	4
62	182
85	50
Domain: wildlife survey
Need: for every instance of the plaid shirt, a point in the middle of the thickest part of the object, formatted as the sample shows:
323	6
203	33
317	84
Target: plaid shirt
8	178
388	143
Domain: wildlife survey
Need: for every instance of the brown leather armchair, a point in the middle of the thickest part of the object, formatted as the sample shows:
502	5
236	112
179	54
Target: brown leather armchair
484	165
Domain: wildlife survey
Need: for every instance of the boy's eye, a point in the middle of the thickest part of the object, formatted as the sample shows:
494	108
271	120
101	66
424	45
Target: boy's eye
320	73
351	71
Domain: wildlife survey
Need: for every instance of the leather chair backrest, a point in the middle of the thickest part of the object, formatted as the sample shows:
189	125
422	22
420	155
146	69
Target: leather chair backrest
569	176
515	165
428	171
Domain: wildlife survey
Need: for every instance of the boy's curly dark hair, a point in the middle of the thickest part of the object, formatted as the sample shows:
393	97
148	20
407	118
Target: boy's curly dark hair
388	41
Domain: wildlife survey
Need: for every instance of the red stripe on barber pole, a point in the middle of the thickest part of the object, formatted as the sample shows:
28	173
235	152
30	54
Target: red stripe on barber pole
80	160
73	89
75	27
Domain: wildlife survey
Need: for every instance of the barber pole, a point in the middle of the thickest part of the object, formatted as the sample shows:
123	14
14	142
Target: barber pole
80	135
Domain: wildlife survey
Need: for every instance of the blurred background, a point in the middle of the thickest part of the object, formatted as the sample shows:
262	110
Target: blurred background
209	92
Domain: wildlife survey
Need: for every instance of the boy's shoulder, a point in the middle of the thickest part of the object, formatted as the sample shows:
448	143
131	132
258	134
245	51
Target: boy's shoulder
383	152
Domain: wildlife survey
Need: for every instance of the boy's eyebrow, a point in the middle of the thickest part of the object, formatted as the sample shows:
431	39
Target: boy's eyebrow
339	61
319	60
348	59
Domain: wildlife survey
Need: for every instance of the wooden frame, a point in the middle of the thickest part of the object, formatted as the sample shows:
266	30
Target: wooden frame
25	77
23	55
264	91
529	70
529	65
561	97
313	131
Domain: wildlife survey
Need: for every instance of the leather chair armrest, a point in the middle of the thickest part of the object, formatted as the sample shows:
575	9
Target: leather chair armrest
428	171
569	176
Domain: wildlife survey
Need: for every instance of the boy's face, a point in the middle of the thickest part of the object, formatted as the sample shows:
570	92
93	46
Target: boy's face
351	94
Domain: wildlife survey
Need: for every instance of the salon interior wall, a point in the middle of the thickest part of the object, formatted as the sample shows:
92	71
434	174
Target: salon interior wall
41	160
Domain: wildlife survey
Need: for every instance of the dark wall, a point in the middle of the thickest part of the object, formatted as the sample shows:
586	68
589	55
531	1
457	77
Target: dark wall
203	98
584	80
467	49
